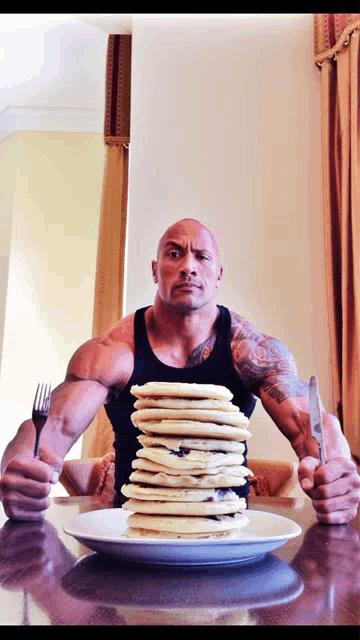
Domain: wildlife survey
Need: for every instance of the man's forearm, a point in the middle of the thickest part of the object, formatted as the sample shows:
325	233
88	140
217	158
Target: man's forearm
305	445
335	443
334	487
54	437
291	416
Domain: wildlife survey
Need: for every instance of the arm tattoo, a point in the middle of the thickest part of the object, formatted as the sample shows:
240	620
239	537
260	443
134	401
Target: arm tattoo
263	362
201	352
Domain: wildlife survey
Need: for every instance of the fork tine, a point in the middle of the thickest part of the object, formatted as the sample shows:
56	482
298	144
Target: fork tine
36	397
43	405
41	397
40	412
48	395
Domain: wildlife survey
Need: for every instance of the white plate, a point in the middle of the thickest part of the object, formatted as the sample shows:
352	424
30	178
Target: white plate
104	531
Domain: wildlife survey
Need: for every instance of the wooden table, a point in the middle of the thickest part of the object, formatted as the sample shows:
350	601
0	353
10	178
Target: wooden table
48	578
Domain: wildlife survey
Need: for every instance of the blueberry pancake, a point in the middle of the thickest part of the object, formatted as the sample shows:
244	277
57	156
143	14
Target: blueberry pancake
192	428
203	481
204	444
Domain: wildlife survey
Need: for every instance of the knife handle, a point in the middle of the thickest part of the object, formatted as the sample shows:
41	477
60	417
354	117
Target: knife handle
322	455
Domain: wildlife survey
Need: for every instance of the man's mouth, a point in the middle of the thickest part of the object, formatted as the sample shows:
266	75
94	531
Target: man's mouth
187	285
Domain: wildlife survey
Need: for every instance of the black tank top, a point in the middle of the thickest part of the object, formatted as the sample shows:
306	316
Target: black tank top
216	369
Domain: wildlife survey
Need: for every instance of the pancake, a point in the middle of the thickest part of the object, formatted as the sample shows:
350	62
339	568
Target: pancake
228	418
189	458
185	508
182	390
183	524
194	429
150	465
185	403
203	481
205	444
141	492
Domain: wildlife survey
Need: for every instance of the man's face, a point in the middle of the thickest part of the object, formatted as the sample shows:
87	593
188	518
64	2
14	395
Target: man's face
187	270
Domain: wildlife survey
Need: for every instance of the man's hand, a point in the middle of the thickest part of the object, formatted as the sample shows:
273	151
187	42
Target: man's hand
26	483
334	488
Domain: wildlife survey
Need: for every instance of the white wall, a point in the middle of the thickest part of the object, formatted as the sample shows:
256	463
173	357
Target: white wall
226	129
56	180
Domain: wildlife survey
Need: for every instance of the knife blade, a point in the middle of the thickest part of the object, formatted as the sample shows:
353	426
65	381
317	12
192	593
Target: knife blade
315	418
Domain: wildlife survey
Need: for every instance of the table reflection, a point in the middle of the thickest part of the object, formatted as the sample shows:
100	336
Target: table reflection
320	585
32	560
329	564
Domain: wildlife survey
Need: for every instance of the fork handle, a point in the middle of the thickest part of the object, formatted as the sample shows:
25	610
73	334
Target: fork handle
36	448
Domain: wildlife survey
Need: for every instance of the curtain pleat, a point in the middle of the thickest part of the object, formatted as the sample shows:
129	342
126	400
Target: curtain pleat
110	265
337	54
108	300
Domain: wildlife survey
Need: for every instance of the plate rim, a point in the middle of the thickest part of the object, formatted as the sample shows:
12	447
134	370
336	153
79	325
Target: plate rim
181	541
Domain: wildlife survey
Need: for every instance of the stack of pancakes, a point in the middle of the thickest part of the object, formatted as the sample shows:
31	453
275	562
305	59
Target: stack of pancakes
191	456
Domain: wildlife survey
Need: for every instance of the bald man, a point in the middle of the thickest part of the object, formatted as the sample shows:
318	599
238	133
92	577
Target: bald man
183	337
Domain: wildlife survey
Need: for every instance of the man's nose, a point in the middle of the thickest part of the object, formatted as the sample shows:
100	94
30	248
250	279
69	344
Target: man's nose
188	265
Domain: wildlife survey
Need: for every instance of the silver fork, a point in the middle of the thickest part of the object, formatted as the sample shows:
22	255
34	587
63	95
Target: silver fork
40	412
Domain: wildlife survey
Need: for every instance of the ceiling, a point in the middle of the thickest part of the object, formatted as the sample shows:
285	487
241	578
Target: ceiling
108	22
56	60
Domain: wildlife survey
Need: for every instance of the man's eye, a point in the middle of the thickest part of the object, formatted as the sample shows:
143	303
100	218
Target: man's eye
173	254
202	257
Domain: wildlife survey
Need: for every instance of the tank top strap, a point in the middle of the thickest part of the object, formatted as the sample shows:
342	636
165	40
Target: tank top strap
141	344
223	343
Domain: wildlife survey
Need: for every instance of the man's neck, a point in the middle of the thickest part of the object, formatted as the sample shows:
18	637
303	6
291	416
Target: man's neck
171	324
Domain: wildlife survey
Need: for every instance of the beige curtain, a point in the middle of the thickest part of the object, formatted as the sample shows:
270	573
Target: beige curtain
109	283
337	55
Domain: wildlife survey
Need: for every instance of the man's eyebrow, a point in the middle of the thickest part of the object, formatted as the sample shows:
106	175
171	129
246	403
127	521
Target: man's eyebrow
172	243
176	245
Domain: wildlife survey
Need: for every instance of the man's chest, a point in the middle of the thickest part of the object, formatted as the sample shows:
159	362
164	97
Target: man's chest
183	355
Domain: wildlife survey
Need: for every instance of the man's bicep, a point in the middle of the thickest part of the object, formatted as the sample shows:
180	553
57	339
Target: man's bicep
75	402
263	362
268	369
280	388
85	362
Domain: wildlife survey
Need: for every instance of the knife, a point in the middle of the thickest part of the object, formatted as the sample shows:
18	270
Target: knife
315	418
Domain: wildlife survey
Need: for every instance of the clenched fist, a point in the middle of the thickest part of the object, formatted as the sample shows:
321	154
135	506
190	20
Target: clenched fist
334	488
26	483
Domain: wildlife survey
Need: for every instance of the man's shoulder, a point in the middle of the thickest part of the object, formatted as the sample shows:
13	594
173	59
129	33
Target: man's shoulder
243	329
122	332
257	356
107	358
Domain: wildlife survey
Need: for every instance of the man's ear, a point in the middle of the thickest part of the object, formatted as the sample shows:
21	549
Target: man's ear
220	275
154	270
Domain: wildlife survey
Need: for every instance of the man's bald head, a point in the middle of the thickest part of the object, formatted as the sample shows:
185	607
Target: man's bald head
187	269
183	227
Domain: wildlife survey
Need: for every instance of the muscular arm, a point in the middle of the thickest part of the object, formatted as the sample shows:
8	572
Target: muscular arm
26	482
268	369
97	365
73	406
